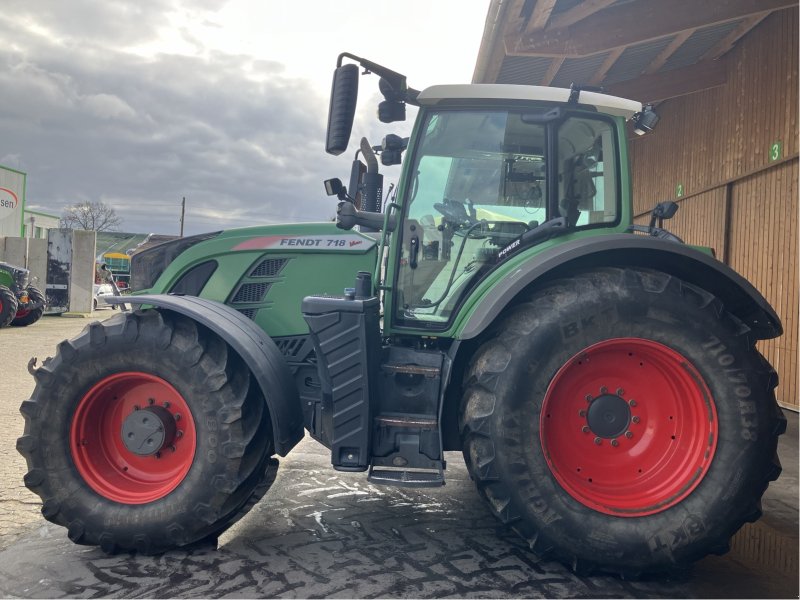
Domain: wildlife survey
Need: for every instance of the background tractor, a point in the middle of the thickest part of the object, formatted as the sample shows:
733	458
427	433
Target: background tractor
21	303
600	378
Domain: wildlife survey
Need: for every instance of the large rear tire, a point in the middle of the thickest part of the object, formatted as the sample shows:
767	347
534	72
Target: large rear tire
146	432
24	316
622	421
8	306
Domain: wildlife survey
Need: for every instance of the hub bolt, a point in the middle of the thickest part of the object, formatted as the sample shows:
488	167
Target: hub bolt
632	402
151	401
581	413
614	443
629	434
603	390
635	419
585	429
620	392
158	454
135	407
588	397
179	433
598	441
172	447
166	404
177	416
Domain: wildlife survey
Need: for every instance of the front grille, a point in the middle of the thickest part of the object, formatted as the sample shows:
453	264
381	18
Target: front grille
250	313
269	267
250	292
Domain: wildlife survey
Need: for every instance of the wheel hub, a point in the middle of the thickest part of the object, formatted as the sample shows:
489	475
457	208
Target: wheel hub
147	431
637	450
609	416
127	447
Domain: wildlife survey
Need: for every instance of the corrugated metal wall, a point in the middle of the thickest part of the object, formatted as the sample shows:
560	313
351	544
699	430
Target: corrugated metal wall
736	197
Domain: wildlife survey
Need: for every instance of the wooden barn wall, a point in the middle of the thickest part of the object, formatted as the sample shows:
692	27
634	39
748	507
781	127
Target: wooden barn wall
764	249
716	145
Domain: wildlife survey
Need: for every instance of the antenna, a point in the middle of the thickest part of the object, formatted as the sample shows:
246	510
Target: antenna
183	212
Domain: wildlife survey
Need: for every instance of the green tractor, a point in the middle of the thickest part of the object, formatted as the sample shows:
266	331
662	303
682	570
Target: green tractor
600	377
21	303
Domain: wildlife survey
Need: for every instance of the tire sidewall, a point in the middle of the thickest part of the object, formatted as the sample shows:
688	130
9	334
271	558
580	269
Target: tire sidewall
572	319
196	493
8	305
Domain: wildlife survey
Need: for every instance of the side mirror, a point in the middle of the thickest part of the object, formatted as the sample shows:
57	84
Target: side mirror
342	109
666	209
663	210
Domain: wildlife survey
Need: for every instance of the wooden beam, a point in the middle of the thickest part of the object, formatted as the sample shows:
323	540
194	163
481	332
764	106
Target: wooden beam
664	55
552	71
601	73
635	22
734	36
671	84
578	13
540	15
500	20
514	22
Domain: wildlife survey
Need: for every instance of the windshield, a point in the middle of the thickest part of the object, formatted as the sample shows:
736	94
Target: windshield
482	178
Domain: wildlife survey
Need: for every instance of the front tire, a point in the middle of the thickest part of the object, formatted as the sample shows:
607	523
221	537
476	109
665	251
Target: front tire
25	317
145	433
8	306
621	421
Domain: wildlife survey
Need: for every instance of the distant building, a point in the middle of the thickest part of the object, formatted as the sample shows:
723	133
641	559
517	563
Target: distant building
12	201
35	224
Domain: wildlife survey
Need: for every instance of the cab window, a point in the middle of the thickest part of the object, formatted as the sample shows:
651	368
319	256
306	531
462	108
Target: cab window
479	180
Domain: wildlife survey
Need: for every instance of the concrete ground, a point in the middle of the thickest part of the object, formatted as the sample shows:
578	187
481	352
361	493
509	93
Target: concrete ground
321	533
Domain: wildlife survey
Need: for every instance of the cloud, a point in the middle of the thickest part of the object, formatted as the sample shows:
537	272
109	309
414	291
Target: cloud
241	140
141	104
107	106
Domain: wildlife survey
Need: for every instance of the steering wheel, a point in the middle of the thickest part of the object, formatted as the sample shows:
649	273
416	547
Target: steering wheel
455	212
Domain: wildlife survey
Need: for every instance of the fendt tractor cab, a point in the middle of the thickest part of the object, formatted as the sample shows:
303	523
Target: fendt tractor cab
600	377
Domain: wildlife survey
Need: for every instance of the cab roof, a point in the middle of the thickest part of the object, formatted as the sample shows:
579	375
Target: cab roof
610	105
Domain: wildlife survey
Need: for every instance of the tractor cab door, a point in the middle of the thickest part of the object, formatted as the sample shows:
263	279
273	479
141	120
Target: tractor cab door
480	179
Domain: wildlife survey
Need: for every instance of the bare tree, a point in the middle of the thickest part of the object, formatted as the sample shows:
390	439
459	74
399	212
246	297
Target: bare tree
92	216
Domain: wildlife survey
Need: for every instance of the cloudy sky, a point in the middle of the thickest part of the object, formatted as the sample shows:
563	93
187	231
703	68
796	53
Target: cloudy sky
139	103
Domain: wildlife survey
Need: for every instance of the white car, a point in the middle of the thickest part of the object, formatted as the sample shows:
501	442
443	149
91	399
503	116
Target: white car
101	291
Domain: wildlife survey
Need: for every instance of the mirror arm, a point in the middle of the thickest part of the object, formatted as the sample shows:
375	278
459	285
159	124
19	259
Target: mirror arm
397	80
348	216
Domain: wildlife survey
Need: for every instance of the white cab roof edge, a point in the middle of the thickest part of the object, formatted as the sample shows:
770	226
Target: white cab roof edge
610	105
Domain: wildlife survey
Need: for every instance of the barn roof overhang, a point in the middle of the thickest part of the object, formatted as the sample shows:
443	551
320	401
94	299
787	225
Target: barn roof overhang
647	50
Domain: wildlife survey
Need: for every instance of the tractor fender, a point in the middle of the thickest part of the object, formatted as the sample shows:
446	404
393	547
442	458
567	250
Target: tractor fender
627	250
255	348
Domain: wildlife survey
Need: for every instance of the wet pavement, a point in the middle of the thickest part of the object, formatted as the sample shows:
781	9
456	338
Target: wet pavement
322	533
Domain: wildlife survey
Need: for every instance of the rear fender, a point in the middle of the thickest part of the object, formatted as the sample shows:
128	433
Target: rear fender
626	250
255	348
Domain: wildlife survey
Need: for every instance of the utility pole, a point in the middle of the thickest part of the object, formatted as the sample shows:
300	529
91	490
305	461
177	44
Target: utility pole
183	212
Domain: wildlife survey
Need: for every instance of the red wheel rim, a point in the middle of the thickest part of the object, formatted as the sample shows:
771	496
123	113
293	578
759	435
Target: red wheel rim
628	427
22	312
100	454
